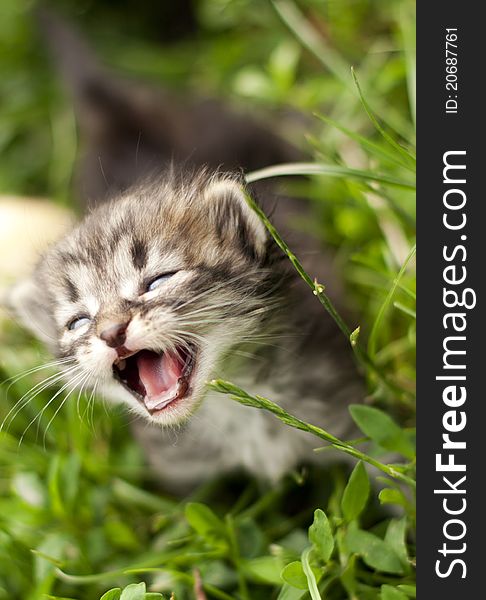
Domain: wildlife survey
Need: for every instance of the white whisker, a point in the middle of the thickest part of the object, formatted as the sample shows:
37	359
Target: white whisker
24	374
39	415
83	381
222	284
91	402
35	391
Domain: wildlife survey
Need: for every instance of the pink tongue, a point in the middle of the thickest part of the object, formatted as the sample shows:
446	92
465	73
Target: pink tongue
159	374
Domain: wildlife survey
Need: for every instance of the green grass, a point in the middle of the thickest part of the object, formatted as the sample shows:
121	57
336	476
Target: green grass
79	512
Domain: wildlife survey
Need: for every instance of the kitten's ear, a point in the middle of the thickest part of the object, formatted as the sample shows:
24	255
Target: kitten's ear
233	217
27	301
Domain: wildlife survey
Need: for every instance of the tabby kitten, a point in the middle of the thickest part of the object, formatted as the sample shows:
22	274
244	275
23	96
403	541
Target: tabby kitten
158	291
172	280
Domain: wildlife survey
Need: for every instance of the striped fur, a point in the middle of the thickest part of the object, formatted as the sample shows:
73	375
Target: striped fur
228	292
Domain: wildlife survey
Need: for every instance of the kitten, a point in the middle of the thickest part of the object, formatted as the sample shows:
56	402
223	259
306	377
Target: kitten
173	281
156	292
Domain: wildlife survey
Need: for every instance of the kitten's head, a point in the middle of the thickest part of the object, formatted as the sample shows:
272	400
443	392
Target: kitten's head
146	295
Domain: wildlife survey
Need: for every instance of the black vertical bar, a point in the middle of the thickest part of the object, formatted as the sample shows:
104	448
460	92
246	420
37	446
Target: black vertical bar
451	119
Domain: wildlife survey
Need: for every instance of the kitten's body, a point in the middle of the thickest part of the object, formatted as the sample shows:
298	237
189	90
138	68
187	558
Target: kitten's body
228	302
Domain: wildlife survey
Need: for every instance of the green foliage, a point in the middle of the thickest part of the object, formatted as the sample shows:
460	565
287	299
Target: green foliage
294	575
78	513
376	553
356	493
236	393
381	428
320	536
202	519
134	591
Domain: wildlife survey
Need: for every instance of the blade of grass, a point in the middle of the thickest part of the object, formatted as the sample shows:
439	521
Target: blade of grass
87	579
406	309
403	151
384	274
379	317
329	170
243	397
235	557
356	442
311	580
407	219
318	290
310	39
149	564
406	20
366	143
394	349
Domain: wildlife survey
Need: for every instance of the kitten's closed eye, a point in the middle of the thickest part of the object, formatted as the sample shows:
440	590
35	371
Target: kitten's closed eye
159	280
82	320
78	322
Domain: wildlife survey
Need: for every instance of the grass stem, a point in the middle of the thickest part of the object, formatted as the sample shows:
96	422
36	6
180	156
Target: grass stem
243	397
324	299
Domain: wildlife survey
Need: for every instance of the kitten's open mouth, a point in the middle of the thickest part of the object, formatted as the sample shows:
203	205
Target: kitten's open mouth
156	379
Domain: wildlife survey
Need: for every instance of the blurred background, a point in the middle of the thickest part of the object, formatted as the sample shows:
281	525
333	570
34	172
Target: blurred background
77	505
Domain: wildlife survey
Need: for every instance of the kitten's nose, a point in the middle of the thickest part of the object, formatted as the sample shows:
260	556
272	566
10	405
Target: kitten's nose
114	335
